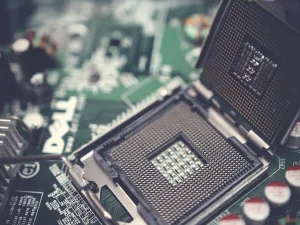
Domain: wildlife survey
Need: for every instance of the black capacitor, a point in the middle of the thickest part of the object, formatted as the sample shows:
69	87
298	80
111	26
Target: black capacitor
36	90
27	59
7	81
35	122
21	59
292	177
278	195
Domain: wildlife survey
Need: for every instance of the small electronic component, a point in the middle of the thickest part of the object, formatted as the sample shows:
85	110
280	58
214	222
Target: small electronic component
232	219
256	211
35	122
196	28
292	176
293	141
31	54
278	195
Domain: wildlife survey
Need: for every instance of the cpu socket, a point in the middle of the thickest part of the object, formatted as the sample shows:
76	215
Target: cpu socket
176	163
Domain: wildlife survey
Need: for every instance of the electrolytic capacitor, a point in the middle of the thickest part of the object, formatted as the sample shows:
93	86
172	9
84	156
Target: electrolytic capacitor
35	122
278	195
256	211
292	176
21	62
31	54
21	46
232	219
293	140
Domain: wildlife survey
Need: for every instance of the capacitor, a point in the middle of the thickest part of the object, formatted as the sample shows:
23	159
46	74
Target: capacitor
21	46
292	177
35	122
293	140
20	59
232	219
37	90
196	28
31	54
278	195
256	211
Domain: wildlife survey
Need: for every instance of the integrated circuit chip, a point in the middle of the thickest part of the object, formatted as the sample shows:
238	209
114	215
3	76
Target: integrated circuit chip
173	157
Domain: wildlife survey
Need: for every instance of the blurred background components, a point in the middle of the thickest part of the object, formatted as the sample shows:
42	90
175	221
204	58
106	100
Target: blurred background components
31	54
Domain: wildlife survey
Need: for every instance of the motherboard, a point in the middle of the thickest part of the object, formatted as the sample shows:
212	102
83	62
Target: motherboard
85	67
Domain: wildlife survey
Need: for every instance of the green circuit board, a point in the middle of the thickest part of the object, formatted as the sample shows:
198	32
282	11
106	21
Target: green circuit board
114	56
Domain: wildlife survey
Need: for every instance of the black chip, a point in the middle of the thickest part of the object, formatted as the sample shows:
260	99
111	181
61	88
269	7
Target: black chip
222	164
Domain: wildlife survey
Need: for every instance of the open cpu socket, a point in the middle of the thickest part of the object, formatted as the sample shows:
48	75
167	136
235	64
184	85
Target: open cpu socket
185	157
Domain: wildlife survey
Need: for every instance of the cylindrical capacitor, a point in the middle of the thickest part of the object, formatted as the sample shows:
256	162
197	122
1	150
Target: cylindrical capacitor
31	54
292	176
21	62
35	122
278	195
293	140
256	211
232	219
21	46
